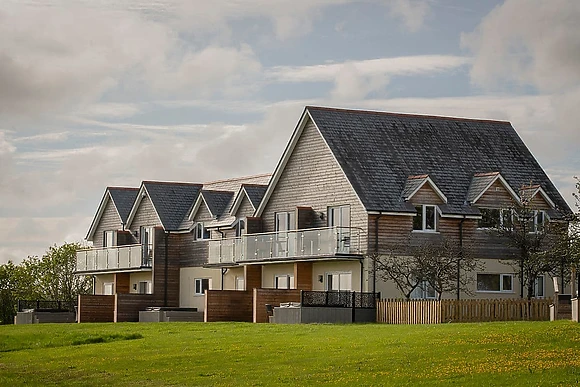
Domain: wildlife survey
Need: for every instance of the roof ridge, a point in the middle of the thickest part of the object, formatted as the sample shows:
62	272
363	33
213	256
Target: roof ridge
254	185
172	183
124	188
399	114
217	190
237	178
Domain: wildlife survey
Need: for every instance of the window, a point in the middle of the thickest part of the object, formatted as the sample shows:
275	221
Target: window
536	221
240	283
144	287
110	239
495	283
495	218
285	221
240	227
339	216
108	288
424	291
338	281
285	281
539	287
200	232
201	285
425	219
147	236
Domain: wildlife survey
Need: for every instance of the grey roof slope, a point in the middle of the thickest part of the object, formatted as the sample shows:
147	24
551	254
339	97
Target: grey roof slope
378	150
412	183
172	201
479	183
217	201
255	193
123	198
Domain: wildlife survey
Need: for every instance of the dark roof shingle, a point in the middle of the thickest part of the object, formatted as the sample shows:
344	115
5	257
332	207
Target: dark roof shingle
123	198
378	150
255	193
172	201
217	201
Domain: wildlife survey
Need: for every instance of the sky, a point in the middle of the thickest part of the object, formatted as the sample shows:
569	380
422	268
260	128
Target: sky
97	93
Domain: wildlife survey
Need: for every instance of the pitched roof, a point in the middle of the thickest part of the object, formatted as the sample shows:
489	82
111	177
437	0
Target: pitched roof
171	200
414	184
217	201
378	150
123	198
255	193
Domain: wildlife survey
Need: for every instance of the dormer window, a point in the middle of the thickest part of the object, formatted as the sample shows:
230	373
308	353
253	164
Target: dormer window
426	218
200	232
537	221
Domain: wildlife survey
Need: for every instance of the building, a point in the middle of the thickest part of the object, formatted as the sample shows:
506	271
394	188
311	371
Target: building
349	184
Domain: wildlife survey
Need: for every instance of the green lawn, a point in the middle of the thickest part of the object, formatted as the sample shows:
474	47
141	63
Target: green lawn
238	354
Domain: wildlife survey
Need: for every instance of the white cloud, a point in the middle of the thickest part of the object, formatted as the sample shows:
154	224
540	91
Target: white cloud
528	42
412	12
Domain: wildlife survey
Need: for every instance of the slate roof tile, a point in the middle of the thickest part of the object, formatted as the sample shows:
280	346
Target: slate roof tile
379	150
123	198
172	201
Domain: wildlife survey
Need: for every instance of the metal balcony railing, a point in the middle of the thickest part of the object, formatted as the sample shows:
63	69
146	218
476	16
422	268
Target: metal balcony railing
315	242
113	258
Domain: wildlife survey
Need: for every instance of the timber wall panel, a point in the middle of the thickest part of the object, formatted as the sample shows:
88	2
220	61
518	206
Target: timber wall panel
313	178
95	308
228	305
145	216
496	196
253	276
127	306
303	275
245	209
122	282
426	195
159	268
272	297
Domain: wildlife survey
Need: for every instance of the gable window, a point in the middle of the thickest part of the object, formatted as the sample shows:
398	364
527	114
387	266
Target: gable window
200	232
537	221
201	285
285	281
426	218
495	283
147	236
240	227
110	239
495	218
285	221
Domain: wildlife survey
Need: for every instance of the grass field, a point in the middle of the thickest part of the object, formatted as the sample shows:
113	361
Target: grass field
240	354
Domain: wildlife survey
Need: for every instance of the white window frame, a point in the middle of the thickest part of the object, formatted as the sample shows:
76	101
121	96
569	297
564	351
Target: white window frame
107	285
289	278
502	217
200	233
339	274
536	223
147	287
240	227
424	218
501	278
538	289
421	292
113	237
286	218
338	216
240	282
199	286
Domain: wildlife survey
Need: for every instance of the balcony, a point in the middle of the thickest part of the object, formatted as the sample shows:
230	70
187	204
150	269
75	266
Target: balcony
129	257
307	243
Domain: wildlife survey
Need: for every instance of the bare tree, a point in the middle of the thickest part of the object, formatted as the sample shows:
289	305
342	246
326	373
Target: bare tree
440	265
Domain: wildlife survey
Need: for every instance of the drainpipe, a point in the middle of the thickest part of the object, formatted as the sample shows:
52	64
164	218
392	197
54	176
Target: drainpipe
166	265
460	255
224	270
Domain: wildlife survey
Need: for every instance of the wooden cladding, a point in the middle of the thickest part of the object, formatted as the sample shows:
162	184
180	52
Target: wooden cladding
253	276
95	308
434	312
273	297
303	275
228	305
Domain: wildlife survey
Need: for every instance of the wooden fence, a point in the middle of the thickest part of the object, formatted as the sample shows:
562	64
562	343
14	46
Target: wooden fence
435	312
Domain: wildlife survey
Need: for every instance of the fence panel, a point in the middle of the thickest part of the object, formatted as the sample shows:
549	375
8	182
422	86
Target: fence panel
392	311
